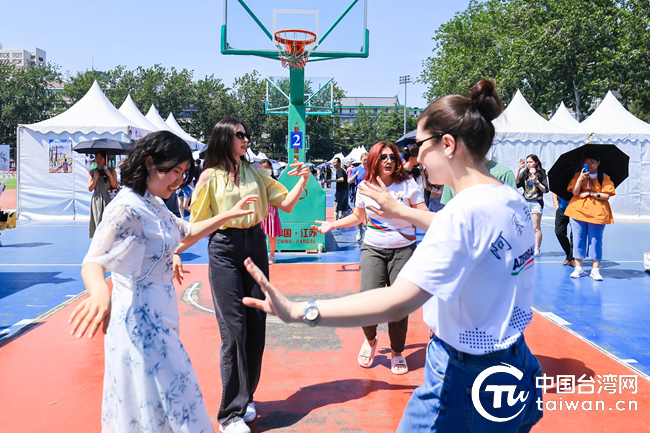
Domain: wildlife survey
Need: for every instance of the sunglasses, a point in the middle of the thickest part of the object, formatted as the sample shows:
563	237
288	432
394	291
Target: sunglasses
241	135
414	148
383	157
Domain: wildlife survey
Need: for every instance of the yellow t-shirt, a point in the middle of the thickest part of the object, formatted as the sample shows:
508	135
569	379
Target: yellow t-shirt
220	194
591	210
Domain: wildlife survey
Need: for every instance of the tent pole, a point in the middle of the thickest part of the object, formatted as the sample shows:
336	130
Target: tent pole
17	170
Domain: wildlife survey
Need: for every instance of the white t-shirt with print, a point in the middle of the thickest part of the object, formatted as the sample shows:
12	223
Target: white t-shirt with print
391	233
477	260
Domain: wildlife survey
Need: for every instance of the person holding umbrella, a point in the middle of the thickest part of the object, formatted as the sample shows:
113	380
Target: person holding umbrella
589	211
100	180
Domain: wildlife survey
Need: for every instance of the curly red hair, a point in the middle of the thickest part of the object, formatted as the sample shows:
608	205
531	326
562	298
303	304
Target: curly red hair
372	170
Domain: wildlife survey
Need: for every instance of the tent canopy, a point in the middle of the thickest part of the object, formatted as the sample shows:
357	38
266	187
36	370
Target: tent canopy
153	117
92	113
612	117
131	112
519	116
173	124
565	119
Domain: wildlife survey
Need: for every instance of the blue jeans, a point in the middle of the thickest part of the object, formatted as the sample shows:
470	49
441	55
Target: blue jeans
435	205
444	403
587	240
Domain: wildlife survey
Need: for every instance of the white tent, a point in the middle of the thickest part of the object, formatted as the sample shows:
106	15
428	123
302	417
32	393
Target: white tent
339	156
611	123
173	124
140	125
250	155
355	154
153	117
260	156
565	119
53	179
520	131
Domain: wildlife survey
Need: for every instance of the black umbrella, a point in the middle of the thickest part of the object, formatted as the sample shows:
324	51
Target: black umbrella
613	162
108	145
406	139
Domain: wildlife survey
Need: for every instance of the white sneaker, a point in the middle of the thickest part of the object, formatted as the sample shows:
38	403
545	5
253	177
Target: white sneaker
238	426
359	236
537	251
577	272
251	413
595	274
271	259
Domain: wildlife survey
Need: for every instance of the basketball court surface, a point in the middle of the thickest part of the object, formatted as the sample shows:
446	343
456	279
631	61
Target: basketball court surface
311	382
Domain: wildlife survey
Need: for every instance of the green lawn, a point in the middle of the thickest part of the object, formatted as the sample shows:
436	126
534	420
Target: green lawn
11	183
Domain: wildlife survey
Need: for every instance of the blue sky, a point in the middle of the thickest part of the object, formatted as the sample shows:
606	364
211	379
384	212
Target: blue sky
186	34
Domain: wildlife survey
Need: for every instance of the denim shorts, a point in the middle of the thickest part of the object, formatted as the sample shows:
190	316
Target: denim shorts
534	206
445	402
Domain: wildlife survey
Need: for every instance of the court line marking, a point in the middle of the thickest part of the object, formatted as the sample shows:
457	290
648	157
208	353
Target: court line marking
37	264
188	297
594	345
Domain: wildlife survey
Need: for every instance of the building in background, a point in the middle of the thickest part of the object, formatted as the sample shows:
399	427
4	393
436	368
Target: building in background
21	58
350	106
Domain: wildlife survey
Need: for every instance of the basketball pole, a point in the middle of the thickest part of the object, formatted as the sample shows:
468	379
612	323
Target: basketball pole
297	113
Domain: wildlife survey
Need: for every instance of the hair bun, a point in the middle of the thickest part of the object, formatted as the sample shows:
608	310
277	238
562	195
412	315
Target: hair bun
485	99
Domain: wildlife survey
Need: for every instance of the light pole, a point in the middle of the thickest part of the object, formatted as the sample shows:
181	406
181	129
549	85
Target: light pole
405	79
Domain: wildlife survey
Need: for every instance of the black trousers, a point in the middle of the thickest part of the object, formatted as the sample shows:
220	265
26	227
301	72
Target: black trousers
561	224
242	328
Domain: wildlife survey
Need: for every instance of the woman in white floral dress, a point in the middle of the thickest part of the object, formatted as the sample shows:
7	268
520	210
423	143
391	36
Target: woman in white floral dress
149	381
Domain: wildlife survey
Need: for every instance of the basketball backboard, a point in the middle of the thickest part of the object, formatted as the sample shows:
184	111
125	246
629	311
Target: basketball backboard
340	26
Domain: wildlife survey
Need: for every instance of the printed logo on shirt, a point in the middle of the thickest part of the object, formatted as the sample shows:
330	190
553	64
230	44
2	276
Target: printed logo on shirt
499	391
524	261
519	228
500	244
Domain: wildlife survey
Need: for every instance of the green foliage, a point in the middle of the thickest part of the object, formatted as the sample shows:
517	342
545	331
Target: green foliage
25	97
552	50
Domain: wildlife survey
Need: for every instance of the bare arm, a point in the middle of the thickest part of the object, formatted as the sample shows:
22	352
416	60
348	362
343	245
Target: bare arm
578	185
200	229
357	217
389	208
555	202
95	309
92	181
385	304
112	177
293	196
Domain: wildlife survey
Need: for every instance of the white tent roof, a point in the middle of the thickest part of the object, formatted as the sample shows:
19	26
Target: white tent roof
519	116
130	110
356	153
565	119
173	124
611	117
262	156
92	113
339	156
250	155
153	117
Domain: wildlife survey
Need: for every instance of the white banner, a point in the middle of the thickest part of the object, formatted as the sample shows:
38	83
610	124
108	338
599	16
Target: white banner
4	157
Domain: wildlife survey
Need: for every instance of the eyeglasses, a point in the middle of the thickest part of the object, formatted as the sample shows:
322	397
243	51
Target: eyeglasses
383	157
414	148
241	135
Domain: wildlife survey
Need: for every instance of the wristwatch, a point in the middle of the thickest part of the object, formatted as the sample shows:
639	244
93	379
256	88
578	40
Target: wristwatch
311	314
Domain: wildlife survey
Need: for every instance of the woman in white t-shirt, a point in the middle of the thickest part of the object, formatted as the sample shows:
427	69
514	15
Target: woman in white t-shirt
387	245
473	273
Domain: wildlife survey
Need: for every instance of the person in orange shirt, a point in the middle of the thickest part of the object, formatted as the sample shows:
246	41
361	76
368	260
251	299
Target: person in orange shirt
589	211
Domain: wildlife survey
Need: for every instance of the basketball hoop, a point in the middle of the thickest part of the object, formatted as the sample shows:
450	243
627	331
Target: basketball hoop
294	47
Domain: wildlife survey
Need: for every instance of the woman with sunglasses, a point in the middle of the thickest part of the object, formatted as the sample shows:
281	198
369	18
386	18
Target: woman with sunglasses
473	272
387	245
227	176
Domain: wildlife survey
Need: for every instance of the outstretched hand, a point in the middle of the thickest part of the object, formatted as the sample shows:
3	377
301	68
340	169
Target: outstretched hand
388	206
90	314
275	303
239	211
324	227
300	169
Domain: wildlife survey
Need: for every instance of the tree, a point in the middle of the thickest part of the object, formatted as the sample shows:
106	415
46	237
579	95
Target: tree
210	102
25	97
551	50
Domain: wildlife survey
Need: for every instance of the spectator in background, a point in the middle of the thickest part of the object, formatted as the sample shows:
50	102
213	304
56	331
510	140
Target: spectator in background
561	224
590	211
341	206
197	170
101	179
535	184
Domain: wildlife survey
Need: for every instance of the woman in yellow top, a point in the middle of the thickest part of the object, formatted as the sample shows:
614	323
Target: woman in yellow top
227	177
589	211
